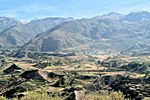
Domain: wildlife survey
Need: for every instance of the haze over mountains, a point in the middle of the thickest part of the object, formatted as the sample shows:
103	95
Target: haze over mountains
111	32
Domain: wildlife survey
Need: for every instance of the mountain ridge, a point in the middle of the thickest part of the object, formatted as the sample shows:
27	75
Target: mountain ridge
20	33
112	32
104	34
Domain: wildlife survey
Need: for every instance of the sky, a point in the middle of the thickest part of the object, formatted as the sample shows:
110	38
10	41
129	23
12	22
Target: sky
31	9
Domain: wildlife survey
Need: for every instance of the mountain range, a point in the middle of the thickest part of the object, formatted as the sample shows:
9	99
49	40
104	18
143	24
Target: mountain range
15	33
111	33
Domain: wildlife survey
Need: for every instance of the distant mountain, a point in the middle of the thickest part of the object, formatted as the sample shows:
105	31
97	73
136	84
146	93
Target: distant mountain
137	16
111	33
7	22
112	15
15	33
41	25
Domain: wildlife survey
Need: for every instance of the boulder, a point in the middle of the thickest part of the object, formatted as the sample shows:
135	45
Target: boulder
79	95
69	93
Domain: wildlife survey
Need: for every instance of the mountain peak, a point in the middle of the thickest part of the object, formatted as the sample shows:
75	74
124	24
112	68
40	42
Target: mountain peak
137	16
112	15
140	12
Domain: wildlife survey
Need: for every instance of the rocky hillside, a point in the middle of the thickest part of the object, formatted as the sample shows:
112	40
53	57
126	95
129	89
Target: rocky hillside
15	33
109	33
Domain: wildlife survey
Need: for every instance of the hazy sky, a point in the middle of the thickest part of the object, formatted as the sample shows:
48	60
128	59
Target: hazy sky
30	9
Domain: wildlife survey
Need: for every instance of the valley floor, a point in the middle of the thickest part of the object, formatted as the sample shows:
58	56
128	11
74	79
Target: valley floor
75	77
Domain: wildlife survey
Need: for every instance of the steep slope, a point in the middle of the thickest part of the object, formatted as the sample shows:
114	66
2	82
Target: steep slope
103	33
18	34
7	22
58	38
84	32
41	25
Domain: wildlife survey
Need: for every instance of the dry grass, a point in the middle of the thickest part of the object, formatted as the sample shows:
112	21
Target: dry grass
36	95
112	96
25	66
2	98
39	96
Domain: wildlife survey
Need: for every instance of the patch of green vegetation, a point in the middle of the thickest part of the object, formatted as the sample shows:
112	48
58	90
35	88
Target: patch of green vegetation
110	63
137	67
36	83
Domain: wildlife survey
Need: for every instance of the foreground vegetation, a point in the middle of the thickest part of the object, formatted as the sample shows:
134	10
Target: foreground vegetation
42	95
58	76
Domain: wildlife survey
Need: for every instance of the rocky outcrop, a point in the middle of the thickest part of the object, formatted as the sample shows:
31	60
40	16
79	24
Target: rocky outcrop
54	75
69	93
35	75
13	69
